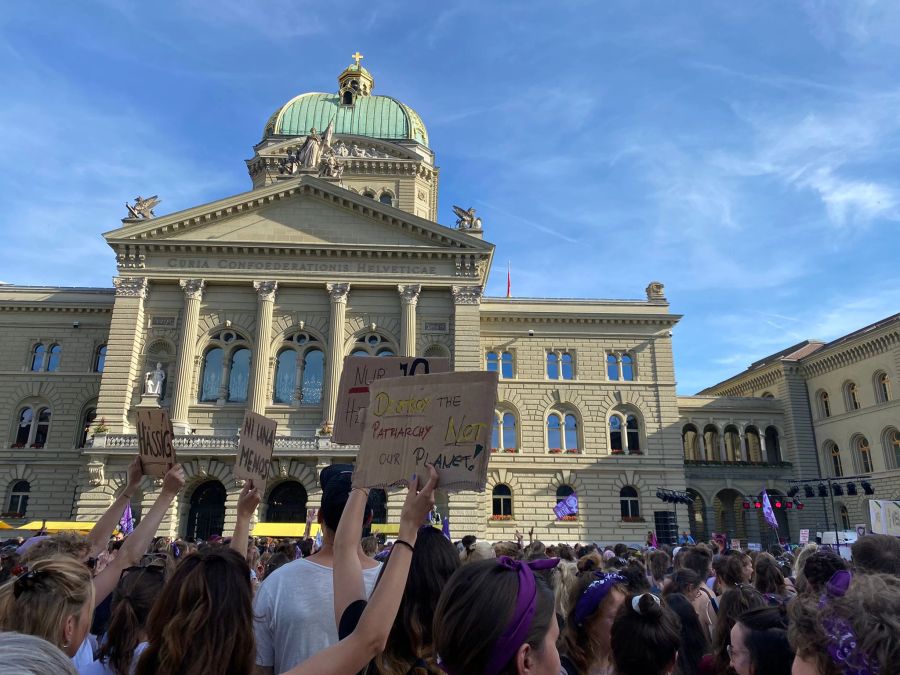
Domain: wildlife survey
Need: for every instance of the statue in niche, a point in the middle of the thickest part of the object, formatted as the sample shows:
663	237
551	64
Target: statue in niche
142	208
465	219
153	381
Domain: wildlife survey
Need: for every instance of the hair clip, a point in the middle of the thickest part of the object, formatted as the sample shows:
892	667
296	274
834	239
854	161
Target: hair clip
636	601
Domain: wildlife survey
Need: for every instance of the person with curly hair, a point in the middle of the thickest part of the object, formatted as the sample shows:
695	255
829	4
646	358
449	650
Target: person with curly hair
852	627
819	568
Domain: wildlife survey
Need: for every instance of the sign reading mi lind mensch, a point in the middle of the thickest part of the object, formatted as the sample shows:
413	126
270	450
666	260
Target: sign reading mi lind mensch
298	266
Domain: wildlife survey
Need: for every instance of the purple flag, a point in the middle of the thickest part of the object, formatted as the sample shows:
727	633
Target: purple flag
768	513
567	506
445	527
126	524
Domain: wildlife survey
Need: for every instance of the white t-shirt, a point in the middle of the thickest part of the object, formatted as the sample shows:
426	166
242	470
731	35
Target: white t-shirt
293	613
102	668
85	654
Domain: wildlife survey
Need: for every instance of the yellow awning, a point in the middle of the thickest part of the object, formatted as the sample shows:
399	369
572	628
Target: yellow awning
284	530
390	529
58	525
5	526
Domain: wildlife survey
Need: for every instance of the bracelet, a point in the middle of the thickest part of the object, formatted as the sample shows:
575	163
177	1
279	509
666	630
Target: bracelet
406	544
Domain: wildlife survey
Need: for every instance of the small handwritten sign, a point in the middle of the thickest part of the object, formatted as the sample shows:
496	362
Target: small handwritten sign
804	537
357	376
567	506
442	419
254	456
155	442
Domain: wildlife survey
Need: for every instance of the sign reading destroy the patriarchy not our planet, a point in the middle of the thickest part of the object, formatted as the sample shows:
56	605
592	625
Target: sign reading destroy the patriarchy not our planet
359	373
155	442
257	443
444	420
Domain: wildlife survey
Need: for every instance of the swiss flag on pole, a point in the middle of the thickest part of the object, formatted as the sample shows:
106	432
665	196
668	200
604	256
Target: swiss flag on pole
508	280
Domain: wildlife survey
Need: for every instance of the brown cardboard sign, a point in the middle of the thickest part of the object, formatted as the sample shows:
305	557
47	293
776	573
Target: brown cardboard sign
155	442
254	456
444	419
357	376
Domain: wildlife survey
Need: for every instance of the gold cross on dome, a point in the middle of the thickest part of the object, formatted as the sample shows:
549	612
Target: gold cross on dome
357	56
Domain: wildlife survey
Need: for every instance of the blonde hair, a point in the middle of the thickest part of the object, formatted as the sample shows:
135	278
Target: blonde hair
39	601
64	543
30	655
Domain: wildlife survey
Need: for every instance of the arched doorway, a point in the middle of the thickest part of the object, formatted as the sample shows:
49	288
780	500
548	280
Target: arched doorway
697	516
731	520
287	503
207	514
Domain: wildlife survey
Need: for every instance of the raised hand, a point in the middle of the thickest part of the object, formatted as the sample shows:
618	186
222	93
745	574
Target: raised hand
248	500
417	505
174	480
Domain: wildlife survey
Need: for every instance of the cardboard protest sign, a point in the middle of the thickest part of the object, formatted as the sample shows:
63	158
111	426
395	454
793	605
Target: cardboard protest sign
804	536
442	419
359	373
254	456
155	441
567	506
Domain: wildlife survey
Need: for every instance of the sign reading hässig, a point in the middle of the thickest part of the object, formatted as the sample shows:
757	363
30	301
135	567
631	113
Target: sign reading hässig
257	443
443	419
155	442
359	373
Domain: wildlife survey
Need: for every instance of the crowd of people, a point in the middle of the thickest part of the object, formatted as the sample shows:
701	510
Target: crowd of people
423	604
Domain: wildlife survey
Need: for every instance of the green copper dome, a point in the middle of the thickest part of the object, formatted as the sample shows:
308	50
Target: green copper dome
374	116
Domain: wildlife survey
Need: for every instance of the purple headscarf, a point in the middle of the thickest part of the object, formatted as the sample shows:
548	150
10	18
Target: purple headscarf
593	595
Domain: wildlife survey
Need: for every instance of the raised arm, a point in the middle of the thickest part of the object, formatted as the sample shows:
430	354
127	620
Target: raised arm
370	637
99	536
137	542
248	500
347	572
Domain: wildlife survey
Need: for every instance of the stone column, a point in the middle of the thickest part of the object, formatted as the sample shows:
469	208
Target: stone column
722	456
259	394
762	448
702	446
123	364
745	450
338	293
409	298
193	293
467	328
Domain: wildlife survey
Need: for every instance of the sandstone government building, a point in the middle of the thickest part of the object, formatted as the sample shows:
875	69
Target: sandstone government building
253	301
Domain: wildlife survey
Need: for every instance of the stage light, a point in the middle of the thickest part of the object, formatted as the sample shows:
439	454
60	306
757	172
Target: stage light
800	506
867	487
851	489
823	490
777	504
746	505
794	491
758	505
808	491
837	489
789	505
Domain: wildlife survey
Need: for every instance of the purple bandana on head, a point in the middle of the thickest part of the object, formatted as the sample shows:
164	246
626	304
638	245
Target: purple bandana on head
593	595
843	646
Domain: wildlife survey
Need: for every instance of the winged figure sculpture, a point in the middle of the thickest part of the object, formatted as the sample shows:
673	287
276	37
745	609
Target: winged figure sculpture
142	208
465	219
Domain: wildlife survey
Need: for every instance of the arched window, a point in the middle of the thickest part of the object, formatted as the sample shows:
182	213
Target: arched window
754	446
378	503
851	394
629	503
552	366
732	444
627	368
33	427
386	198
837	466
892	445
711	442
690	443
287	503
624	433
369	193
773	445
562	432
373	344
53	359
37	358
864	453
347	98
437	350
504	437
612	367
211	374
564	491
86	421
206	516
768	394
300	360
845	518
100	359
501	501
226	361
824	404
882	387
500	362
18	499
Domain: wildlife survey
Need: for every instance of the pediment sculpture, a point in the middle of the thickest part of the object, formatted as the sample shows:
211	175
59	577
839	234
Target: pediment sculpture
142	208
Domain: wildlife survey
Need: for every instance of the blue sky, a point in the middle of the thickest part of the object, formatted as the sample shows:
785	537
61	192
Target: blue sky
745	154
